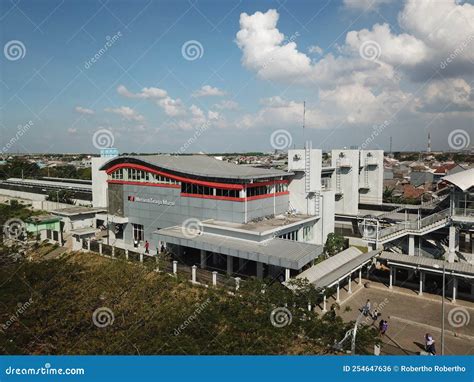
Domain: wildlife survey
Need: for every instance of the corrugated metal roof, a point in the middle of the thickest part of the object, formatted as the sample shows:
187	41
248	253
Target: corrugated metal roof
428	262
464	179
336	267
280	252
201	165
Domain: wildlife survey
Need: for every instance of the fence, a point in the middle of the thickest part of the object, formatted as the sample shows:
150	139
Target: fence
193	273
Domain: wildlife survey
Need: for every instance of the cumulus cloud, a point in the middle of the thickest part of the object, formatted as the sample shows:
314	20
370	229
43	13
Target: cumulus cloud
315	49
448	96
145	93
126	113
83	110
227	105
208	91
172	107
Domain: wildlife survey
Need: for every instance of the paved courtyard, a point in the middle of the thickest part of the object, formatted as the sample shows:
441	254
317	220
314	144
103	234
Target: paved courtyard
411	316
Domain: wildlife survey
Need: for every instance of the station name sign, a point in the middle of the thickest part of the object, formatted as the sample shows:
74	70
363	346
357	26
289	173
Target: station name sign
160	202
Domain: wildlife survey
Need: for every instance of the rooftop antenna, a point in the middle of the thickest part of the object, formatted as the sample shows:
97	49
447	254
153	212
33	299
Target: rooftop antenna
390	144
429	142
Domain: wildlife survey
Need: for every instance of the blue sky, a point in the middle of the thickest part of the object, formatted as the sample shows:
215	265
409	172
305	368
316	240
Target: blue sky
254	83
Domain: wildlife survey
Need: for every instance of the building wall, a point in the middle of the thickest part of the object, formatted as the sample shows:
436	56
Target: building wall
174	209
99	182
347	202
373	175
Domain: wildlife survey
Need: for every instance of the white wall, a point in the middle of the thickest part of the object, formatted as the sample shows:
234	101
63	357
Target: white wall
325	225
99	182
374	194
348	201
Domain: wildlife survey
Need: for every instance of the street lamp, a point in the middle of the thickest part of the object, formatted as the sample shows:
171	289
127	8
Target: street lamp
442	305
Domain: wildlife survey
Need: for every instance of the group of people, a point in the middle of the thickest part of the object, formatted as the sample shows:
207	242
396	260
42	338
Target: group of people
136	244
366	311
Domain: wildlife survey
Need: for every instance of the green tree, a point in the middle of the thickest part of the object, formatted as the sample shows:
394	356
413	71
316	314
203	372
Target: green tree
335	243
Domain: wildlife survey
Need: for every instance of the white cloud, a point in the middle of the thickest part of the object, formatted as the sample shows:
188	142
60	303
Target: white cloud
145	93
126	113
83	110
208	91
363	5
72	131
227	105
448	96
315	49
172	107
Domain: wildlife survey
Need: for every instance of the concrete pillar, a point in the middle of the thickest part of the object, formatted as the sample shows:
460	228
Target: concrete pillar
214	278
230	265
126	254
422	279
394	276
324	304
453	236
88	244
350	283
203	259
259	270
411	245
360	276
100	248
81	242
455	288
287	274
338	294
113	251
368	271
175	267
237	283
193	274
391	278
141	257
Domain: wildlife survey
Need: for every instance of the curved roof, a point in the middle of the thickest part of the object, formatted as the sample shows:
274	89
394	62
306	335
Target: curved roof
199	166
464	179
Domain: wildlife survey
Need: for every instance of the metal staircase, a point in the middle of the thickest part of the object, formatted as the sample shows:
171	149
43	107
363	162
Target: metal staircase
307	166
416	227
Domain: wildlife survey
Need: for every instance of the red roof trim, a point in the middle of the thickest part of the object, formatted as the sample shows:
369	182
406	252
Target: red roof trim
117	181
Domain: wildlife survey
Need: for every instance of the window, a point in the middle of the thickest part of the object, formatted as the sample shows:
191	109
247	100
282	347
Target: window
138	232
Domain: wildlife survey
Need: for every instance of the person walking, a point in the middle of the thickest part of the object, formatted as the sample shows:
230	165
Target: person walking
430	344
147	247
375	314
383	326
366	308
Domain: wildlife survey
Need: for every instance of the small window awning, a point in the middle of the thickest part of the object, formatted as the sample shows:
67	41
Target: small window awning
278	252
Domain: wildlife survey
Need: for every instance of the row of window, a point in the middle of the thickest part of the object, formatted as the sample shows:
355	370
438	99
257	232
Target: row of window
140	176
189	188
